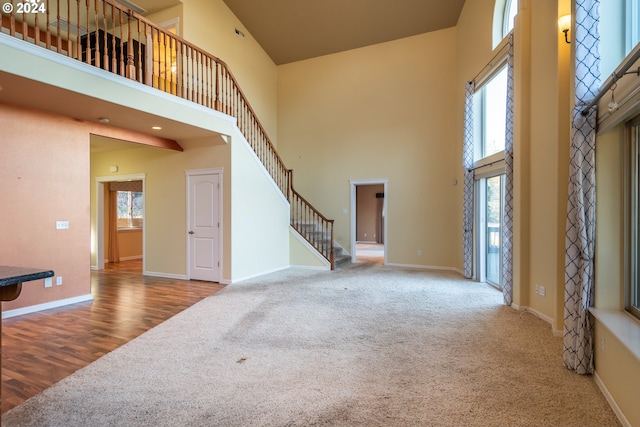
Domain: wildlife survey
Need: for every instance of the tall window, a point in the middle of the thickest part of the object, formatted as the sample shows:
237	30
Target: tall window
493	97
490	105
130	209
632	264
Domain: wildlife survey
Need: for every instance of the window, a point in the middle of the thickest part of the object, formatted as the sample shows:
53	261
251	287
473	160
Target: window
632	225
632	26
493	113
130	209
510	12
504	14
490	111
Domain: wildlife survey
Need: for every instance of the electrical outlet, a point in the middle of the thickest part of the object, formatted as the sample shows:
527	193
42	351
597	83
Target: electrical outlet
542	291
48	282
59	280
62	225
537	289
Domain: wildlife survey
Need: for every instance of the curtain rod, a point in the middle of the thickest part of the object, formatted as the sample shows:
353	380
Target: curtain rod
499	52
613	79
485	165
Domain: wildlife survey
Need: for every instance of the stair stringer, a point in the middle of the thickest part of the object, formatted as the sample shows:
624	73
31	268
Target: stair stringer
303	255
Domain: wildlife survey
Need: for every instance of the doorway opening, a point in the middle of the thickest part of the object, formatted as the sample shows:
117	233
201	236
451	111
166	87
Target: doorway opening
490	214
120	211
369	221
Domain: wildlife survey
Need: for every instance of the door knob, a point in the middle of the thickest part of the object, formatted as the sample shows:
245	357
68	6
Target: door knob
190	231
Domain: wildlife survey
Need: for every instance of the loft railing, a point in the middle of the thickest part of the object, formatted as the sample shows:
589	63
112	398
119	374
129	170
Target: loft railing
109	36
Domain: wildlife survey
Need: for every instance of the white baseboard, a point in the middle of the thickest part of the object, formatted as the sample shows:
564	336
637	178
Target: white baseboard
426	267
253	276
165	275
612	402
539	315
46	306
308	267
130	258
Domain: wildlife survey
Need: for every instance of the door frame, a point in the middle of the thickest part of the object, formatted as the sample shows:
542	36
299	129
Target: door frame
353	183
196	172
99	234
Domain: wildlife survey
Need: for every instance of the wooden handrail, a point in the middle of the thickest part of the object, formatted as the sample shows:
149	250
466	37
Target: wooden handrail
116	39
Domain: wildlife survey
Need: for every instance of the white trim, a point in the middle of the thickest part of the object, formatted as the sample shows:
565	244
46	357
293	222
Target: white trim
171	23
612	402
541	316
623	326
426	267
46	306
99	237
131	258
206	171
353	183
165	275
314	251
253	276
308	267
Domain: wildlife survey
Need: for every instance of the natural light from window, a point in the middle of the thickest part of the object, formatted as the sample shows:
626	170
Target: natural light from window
495	111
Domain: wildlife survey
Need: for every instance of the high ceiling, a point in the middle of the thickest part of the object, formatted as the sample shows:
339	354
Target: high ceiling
293	30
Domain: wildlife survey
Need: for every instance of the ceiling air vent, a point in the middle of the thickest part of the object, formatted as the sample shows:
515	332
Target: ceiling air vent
131	5
65	26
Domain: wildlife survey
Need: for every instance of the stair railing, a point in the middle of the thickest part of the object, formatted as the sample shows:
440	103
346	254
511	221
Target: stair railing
109	36
311	224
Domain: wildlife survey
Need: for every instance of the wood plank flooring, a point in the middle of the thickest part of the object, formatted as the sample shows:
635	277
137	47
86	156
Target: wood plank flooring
42	348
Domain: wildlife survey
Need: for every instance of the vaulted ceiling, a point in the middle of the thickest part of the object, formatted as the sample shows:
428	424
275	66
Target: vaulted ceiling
294	30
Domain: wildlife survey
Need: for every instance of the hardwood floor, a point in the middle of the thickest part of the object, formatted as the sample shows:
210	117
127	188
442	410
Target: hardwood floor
42	348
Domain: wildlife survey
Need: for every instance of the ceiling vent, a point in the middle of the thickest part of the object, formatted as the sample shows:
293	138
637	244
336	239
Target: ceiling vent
65	26
131	5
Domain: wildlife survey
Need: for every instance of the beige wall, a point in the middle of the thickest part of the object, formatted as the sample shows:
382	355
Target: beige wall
540	142
382	112
616	366
259	215
44	174
165	197
210	25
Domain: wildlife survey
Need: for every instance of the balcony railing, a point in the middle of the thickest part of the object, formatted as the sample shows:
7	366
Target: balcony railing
109	36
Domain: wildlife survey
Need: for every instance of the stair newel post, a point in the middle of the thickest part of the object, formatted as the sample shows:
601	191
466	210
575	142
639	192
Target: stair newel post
332	255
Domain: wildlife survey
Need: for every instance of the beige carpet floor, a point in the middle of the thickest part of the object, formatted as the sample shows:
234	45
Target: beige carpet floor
365	345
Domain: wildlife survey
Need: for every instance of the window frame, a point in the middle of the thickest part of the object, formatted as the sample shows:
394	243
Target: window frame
130	218
508	19
632	219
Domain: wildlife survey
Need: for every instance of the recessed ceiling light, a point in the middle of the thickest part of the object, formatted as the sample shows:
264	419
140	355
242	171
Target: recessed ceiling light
239	33
104	120
156	127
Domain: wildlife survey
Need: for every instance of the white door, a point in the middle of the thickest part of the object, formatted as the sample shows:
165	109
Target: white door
204	227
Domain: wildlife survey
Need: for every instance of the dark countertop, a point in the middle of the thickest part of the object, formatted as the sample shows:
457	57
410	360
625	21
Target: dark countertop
14	275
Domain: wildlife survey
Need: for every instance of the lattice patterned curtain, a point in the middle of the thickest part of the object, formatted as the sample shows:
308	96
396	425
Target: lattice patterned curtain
467	164
507	234
581	207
